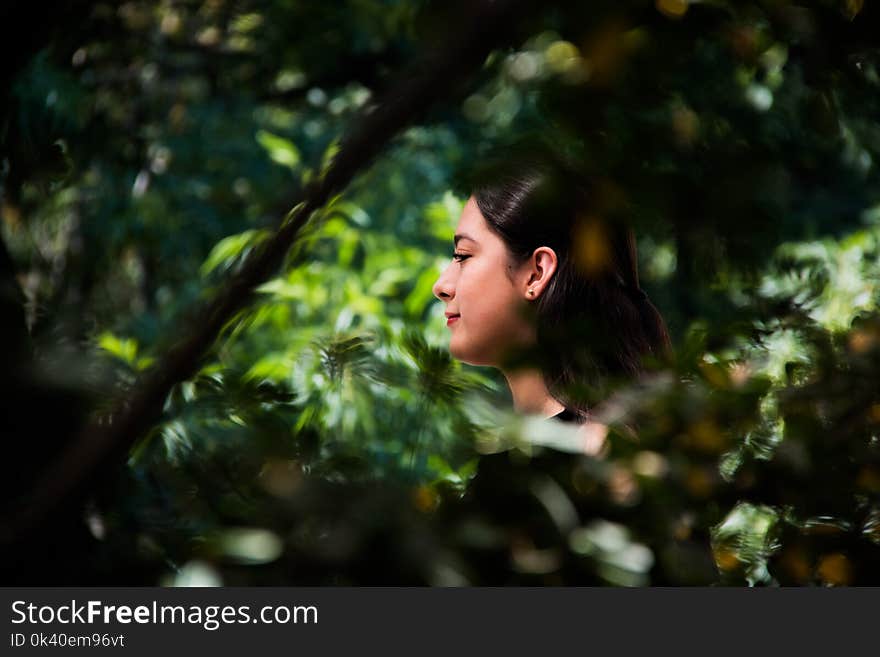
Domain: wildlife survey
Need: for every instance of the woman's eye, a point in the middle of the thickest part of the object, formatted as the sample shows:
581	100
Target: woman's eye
459	257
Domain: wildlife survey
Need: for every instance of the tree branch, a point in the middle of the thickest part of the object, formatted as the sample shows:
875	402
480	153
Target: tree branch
106	441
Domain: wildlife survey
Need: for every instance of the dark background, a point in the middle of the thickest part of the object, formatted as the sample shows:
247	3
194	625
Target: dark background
316	431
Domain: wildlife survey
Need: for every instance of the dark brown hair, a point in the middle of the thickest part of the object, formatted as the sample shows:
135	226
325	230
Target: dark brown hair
594	321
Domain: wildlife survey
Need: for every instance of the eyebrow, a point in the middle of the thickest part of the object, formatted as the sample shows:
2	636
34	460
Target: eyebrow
464	236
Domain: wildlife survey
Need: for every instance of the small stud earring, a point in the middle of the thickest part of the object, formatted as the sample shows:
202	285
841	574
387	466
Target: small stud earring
531	292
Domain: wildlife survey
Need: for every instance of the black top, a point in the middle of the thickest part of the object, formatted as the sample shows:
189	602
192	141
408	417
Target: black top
505	501
566	415
499	463
513	525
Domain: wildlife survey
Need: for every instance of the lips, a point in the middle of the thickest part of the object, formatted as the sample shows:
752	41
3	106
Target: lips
450	319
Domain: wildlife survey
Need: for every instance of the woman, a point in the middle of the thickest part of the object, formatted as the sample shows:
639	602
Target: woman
544	285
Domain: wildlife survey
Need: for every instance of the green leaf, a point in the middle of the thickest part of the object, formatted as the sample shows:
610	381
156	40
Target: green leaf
123	348
352	212
281	150
274	367
422	293
232	247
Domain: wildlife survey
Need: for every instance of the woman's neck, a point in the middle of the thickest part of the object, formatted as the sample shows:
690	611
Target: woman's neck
530	394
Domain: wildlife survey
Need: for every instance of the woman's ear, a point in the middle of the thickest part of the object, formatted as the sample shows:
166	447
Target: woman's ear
541	267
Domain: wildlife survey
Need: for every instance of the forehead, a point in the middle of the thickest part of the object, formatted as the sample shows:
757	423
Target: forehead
471	220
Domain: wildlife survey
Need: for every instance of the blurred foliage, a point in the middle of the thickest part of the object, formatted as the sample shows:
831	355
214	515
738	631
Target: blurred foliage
330	438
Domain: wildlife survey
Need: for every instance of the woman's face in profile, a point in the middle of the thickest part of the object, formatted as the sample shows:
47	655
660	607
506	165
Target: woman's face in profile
486	293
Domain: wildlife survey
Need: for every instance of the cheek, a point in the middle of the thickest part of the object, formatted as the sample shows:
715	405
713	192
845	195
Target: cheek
489	321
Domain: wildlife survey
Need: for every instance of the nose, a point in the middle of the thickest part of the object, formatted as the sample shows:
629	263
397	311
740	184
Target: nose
443	288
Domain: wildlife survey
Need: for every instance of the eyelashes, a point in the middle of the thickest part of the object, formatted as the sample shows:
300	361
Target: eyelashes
460	257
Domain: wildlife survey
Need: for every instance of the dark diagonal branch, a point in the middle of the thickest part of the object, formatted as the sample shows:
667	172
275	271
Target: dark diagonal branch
103	444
